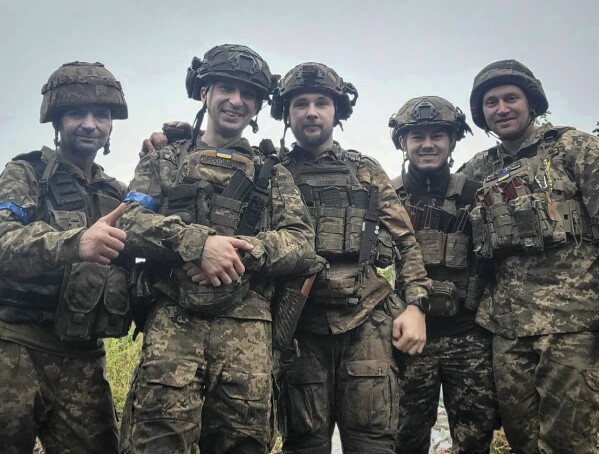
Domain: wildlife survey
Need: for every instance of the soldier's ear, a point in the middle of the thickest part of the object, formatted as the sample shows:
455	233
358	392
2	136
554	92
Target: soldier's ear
204	94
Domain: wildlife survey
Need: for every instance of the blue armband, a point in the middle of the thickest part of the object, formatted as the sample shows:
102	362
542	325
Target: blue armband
18	211
144	200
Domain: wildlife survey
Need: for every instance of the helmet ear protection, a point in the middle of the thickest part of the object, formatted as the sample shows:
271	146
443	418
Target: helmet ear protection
193	84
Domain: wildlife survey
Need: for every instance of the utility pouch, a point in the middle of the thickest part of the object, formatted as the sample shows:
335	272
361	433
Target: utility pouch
67	220
526	218
181	202
473	293
443	300
456	251
384	249
81	292
354	220
209	300
330	230
504	227
480	232
339	284
432	246
114	316
225	214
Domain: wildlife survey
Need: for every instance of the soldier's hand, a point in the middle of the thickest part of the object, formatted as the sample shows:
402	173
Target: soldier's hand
171	132
220	260
155	142
409	331
102	242
196	273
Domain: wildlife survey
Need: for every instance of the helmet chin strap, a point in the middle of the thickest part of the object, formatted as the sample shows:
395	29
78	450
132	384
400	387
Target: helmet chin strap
197	124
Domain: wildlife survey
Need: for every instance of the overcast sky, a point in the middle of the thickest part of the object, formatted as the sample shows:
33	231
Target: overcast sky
391	51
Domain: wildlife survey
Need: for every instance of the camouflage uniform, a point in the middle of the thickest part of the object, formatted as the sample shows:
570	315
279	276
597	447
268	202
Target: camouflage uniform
457	354
52	388
204	381
541	311
341	369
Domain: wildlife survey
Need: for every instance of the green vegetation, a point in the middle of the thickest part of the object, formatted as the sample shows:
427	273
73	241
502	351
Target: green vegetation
122	356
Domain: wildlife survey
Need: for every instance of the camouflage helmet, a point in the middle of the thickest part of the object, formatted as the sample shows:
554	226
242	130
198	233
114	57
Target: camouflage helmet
232	61
318	77
506	72
78	83
427	110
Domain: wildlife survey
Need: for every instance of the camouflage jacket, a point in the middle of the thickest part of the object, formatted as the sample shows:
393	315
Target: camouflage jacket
555	291
286	233
31	247
411	275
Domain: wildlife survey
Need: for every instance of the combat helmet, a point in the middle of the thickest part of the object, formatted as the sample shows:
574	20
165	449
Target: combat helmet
427	110
78	83
232	61
318	77
506	72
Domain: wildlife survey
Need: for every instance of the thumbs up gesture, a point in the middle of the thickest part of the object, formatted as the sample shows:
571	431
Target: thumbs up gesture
102	242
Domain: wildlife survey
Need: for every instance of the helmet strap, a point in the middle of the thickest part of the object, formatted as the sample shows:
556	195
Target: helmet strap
197	124
254	125
282	141
56	139
106	147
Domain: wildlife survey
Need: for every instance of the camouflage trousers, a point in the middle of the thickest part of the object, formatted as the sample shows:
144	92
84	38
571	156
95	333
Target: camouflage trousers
349	379
462	365
203	385
66	402
548	391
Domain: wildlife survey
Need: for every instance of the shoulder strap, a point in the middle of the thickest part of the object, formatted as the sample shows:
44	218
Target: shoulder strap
455	186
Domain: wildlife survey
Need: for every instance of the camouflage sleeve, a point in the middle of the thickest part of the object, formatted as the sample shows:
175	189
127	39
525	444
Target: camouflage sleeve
583	150
27	248
411	274
278	251
476	168
150	234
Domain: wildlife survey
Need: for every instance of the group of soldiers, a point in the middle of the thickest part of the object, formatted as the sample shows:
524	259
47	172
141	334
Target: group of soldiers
260	297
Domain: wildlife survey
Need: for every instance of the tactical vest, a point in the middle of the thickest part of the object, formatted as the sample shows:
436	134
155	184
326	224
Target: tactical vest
442	232
84	301
227	191
530	205
345	218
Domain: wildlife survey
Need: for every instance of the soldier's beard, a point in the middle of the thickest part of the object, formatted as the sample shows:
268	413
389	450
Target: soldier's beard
313	140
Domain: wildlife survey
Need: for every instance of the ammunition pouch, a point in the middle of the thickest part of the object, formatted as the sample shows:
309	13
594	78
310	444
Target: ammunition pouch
225	214
330	230
474	293
439	248
93	303
208	300
444	299
354	219
529	223
385	252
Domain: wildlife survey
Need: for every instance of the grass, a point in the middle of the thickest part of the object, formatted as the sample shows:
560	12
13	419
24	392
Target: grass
122	356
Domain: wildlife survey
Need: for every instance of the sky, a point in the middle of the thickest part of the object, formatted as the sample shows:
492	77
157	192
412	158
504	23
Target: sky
390	50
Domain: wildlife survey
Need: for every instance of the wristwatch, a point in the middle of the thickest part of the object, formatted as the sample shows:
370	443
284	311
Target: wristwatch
422	304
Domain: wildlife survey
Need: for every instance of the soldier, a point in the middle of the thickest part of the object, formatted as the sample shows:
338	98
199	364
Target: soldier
234	220
61	285
457	354
341	369
537	216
